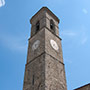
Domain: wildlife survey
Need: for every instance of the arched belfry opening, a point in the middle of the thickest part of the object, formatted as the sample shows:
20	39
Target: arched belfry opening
37	26
52	25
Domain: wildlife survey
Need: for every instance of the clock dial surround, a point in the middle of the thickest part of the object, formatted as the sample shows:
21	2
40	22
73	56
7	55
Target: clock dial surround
54	45
35	45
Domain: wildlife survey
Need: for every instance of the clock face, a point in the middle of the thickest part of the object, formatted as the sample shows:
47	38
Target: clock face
35	45
54	45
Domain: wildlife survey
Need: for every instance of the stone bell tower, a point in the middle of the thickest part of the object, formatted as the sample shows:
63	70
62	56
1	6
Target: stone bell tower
44	68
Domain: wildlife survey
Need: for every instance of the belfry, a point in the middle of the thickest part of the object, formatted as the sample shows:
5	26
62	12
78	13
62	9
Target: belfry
44	69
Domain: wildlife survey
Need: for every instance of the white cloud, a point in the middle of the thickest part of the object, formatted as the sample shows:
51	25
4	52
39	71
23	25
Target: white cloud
83	35
84	40
68	33
14	43
2	3
84	11
67	60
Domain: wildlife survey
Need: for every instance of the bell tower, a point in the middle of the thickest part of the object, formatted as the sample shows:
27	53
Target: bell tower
44	69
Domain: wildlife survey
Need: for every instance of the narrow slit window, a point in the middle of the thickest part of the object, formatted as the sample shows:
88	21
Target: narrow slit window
33	80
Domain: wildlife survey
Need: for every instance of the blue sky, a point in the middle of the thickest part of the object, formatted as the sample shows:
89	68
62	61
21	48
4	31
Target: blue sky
74	27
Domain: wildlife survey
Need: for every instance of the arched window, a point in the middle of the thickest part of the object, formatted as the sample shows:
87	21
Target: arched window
52	26
37	26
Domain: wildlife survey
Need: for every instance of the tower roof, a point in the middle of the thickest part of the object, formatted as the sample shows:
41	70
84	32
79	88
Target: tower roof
47	10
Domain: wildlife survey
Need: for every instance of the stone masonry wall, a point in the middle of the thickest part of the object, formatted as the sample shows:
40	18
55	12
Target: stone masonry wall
54	74
35	74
